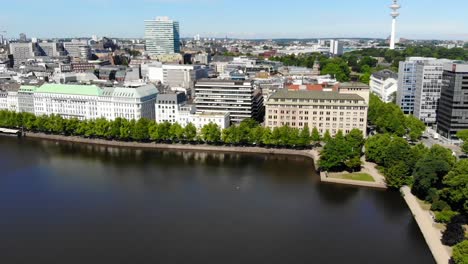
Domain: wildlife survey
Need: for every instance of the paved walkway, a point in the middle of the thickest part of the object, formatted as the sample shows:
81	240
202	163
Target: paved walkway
431	234
370	169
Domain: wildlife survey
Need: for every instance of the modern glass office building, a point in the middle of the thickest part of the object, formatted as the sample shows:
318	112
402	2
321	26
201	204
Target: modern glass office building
162	36
452	115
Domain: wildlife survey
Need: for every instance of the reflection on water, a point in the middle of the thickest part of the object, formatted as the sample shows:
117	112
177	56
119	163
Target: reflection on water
74	203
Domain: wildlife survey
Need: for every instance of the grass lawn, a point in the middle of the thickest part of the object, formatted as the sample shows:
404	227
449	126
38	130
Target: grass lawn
356	177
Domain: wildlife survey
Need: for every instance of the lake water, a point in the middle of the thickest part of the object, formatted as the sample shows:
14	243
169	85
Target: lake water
74	203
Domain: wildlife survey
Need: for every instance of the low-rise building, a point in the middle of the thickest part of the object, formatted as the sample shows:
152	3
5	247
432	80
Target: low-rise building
384	84
189	114
173	108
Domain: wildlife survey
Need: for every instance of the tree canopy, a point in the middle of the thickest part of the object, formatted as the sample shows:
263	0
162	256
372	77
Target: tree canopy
342	152
247	133
389	118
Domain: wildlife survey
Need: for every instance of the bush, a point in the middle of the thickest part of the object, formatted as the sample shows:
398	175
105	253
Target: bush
460	219
445	216
432	195
460	253
440	205
453	235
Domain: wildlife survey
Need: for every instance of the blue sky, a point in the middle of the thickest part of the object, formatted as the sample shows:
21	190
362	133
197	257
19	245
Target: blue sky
420	19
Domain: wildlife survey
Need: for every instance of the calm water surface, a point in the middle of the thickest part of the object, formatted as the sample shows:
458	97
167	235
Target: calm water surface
72	203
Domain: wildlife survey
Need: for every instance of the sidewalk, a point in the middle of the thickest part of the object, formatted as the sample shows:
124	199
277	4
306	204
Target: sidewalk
431	234
370	169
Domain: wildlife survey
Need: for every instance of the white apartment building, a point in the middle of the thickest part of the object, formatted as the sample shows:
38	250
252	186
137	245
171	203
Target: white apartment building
17	99
173	108
176	76
384	84
189	114
128	103
162	36
4	100
168	107
91	102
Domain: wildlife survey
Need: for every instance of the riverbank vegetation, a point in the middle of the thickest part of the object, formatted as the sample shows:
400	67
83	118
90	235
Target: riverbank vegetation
434	174
342	152
248	133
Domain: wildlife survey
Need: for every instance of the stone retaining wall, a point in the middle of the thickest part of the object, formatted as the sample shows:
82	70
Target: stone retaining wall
226	149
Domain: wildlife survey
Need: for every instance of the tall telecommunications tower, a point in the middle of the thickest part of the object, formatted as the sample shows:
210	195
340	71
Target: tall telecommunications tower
394	14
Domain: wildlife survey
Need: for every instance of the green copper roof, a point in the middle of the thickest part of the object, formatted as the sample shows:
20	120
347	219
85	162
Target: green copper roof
87	90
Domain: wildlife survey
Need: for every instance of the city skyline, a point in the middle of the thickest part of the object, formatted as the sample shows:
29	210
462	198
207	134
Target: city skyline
220	18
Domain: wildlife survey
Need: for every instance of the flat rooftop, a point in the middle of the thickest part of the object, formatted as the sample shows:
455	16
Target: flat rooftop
314	95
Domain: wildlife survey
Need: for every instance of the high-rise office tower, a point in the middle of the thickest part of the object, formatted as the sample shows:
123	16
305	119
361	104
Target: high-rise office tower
419	85
336	47
452	114
162	36
428	88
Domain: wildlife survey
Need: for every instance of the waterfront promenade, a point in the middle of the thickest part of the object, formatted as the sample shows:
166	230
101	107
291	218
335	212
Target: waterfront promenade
431	234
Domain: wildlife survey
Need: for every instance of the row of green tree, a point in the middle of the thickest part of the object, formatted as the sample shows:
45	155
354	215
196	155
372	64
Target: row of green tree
395	56
364	63
389	118
336	67
249	132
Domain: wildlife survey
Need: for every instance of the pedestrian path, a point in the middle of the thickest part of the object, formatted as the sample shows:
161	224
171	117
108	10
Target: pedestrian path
431	234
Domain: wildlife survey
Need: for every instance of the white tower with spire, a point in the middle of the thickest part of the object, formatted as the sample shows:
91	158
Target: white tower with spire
395	6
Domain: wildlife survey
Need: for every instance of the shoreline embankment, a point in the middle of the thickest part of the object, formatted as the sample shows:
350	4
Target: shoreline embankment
376	185
312	154
431	234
